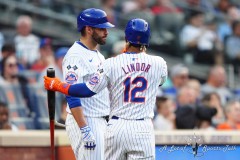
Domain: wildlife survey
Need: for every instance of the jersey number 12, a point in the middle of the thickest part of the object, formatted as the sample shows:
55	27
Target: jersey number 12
130	94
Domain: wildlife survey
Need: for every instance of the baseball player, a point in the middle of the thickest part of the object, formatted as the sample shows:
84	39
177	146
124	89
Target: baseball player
79	64
132	78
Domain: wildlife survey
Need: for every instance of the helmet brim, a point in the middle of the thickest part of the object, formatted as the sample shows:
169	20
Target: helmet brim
104	25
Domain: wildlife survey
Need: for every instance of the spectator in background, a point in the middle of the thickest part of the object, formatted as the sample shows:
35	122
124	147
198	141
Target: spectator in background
192	31
165	118
186	97
232	45
4	118
10	72
186	108
46	55
216	82
204	118
189	115
199	39
179	75
8	50
185	118
225	26
222	7
27	44
195	84
232	111
210	46
212	100
10	76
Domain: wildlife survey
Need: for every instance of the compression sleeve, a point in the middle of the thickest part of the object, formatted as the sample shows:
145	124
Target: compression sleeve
80	90
73	102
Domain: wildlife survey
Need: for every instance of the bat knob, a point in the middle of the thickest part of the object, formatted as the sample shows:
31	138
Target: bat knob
51	72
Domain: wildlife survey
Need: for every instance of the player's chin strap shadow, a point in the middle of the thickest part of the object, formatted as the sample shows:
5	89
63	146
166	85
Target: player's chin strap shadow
59	124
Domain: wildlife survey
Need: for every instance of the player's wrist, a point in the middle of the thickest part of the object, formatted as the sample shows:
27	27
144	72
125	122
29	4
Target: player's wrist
85	129
63	88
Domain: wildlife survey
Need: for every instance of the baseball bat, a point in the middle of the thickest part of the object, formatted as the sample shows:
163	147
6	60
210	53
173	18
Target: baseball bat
51	111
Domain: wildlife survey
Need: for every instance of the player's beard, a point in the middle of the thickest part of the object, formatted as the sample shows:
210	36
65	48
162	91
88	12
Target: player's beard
98	39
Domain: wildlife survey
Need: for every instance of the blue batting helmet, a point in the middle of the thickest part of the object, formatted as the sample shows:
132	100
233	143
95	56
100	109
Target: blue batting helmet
137	32
93	17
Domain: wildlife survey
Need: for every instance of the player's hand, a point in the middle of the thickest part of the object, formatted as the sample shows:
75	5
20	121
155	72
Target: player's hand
88	138
55	84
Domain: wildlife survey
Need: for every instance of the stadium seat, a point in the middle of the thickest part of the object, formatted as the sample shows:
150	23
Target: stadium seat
23	123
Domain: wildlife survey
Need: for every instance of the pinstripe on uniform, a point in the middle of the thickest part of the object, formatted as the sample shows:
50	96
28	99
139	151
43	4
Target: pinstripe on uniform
133	81
79	64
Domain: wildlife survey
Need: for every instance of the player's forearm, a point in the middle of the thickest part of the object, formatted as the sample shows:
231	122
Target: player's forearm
80	90
75	90
78	115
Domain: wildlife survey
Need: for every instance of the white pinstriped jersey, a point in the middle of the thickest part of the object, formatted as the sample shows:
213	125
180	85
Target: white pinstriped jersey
133	81
79	64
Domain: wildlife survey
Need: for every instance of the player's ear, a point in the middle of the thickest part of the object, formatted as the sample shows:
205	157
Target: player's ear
89	30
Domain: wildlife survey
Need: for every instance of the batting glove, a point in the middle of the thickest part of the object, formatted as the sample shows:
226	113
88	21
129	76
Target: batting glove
88	138
55	84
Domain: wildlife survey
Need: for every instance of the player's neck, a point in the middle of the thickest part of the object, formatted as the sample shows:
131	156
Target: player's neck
133	50
88	43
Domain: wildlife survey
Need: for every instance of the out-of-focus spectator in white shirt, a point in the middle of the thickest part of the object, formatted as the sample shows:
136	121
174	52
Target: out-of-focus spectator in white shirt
27	44
200	39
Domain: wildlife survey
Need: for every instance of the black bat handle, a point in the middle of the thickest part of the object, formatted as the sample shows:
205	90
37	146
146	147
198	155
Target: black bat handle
51	96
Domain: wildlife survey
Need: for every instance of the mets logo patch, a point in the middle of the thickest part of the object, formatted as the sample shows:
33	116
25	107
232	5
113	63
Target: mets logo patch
94	79
71	77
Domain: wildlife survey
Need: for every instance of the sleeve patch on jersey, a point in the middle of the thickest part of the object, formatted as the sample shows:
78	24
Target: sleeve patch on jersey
100	71
71	77
74	67
69	67
94	79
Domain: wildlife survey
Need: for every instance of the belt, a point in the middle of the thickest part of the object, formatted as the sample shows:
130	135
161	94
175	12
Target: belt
104	117
115	117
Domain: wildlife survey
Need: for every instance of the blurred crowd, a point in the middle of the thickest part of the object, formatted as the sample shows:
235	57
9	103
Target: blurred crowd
185	103
201	31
